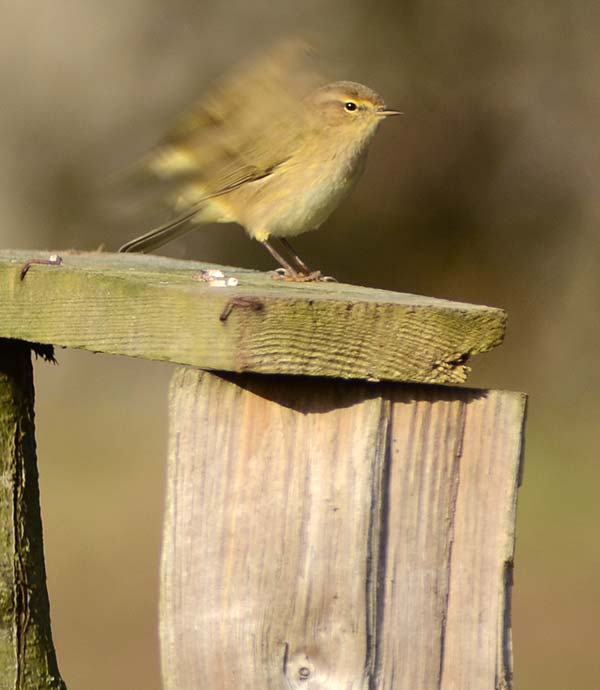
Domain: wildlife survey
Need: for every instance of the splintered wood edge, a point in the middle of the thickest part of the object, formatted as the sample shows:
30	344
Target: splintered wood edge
158	308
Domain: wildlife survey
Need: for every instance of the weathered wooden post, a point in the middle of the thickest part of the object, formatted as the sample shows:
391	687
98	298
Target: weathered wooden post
27	658
333	519
338	534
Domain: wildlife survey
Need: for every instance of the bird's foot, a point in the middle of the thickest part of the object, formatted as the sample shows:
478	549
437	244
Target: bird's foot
312	277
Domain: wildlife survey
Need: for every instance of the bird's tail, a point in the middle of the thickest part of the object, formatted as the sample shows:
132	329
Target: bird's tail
162	234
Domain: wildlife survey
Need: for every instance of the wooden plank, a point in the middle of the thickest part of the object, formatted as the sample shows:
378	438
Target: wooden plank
27	658
338	535
454	470
426	434
483	545
156	308
304	508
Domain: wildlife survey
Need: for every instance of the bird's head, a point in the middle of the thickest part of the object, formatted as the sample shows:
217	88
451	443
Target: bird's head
350	108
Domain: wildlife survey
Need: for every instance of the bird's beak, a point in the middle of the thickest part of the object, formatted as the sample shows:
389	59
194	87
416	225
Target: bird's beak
388	113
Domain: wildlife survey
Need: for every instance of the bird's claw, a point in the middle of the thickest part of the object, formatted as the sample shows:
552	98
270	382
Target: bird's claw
312	277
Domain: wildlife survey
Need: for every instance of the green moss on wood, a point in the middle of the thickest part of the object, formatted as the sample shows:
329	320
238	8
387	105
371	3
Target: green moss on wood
156	308
27	658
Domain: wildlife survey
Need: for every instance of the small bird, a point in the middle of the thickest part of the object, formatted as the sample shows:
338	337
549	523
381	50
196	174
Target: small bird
266	150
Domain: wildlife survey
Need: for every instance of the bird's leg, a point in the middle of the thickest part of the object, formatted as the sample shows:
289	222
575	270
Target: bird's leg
301	272
301	265
307	274
280	260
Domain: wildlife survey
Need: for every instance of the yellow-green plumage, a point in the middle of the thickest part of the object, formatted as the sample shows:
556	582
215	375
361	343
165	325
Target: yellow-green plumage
266	150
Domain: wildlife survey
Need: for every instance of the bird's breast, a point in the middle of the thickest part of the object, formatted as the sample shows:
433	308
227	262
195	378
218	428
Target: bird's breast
298	197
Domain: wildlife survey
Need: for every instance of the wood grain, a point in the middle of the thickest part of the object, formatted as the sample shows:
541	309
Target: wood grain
156	308
338	535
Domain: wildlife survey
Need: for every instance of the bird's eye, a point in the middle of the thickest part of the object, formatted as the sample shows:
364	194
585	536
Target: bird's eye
350	105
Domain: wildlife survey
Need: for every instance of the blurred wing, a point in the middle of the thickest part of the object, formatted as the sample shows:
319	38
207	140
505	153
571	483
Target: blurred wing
249	123
251	89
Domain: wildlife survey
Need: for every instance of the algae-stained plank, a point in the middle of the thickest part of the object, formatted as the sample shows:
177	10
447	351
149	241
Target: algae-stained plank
158	308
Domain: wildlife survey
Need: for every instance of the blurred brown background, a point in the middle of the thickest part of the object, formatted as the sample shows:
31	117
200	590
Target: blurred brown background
486	191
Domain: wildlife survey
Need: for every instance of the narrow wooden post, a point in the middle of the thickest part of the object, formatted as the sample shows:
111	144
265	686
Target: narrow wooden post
27	658
328	534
